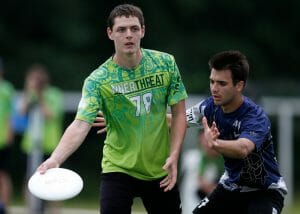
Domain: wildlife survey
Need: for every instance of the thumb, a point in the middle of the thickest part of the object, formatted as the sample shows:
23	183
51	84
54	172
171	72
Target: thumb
167	165
204	123
42	168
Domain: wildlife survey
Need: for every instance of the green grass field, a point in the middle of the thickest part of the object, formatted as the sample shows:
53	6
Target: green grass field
294	208
91	204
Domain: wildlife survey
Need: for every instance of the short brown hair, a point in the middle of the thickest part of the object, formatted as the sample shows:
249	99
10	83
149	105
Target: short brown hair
125	10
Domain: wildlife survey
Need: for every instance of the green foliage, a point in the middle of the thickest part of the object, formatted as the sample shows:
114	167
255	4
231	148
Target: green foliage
70	37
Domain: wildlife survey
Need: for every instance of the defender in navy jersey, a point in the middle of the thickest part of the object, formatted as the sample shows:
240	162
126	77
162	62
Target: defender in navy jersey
238	129
260	168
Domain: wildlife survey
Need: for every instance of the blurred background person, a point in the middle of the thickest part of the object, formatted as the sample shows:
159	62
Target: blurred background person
201	168
19	123
6	138
210	167
38	93
37	90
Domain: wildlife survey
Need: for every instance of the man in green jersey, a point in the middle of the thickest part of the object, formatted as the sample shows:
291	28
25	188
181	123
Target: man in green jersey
132	89
6	137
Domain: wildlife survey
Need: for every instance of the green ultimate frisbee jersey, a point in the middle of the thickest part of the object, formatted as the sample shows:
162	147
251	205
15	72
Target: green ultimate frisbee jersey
134	104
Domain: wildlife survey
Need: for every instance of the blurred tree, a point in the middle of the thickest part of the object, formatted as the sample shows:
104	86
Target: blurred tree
70	37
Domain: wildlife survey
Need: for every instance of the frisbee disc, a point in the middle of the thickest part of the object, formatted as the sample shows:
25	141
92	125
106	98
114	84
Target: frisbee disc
56	184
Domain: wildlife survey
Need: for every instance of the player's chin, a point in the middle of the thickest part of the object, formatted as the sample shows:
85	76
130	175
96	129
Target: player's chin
131	49
130	52
217	102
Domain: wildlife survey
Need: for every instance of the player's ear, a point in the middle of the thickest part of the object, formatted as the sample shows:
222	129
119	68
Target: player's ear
109	33
240	85
143	31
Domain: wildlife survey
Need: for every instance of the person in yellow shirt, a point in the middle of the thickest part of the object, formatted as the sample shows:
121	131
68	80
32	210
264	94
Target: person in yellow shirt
49	99
6	135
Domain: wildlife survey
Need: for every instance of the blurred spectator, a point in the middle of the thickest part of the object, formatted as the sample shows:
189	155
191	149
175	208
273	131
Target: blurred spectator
19	121
37	90
6	138
39	93
210	168
201	168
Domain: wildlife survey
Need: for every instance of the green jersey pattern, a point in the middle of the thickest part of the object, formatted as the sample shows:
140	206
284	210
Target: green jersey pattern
134	103
6	97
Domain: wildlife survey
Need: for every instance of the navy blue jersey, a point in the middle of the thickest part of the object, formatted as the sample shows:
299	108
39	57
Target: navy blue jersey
259	170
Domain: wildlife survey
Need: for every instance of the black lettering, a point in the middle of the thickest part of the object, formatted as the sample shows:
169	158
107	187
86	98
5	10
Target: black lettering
143	83
137	84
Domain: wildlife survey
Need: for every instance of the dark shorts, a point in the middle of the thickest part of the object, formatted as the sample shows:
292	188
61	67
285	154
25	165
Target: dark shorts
118	190
5	158
224	201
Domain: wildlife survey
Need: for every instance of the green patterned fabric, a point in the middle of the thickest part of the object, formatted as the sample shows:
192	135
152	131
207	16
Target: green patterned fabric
52	129
134	104
6	101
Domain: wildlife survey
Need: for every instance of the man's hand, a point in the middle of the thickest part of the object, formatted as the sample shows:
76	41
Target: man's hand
171	167
100	122
47	164
211	133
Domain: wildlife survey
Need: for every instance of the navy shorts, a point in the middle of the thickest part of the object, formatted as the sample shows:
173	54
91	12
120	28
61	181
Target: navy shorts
117	191
224	201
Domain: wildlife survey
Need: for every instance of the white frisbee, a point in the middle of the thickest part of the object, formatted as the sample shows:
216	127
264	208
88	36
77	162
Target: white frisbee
56	184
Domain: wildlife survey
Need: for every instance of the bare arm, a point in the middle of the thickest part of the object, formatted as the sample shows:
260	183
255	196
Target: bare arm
178	127
239	148
69	143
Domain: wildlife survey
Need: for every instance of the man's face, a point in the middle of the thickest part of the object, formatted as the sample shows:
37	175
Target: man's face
222	89
126	34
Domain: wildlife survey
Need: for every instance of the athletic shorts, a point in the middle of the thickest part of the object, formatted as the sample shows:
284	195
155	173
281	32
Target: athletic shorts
224	201
5	158
117	191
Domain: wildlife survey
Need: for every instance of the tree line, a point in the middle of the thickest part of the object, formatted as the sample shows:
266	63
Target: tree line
69	37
